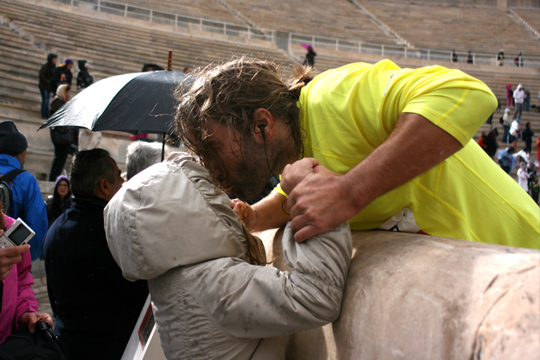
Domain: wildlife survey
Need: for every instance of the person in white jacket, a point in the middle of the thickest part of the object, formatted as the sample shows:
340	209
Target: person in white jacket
514	132
171	226
519	96
523	176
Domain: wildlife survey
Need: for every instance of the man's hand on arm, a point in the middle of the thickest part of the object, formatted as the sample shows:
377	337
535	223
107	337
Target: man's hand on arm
272	211
294	173
323	200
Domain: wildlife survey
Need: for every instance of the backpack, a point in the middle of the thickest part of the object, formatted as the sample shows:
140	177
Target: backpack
5	189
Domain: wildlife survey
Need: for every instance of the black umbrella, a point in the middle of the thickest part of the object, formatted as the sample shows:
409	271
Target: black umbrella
136	103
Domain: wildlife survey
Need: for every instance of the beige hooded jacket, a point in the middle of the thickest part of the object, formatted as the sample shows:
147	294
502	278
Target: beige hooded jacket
168	225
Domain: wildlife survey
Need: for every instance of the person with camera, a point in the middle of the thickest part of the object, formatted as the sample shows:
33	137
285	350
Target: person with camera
18	304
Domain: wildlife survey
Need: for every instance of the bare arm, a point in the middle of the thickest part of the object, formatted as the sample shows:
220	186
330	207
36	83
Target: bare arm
324	199
269	213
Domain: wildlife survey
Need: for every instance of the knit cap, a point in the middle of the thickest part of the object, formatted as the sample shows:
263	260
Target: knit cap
12	141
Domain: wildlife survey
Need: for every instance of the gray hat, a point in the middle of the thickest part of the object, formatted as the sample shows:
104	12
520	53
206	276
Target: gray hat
12	141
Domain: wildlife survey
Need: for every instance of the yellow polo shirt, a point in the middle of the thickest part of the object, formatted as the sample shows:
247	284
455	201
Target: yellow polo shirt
347	112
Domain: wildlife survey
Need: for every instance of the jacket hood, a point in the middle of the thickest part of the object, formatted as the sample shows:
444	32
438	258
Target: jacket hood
50	58
171	215
81	64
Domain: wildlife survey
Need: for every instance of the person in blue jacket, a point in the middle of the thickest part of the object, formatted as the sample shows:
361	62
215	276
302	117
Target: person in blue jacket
26	201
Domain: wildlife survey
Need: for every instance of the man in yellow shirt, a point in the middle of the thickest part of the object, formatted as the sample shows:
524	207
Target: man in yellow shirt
383	147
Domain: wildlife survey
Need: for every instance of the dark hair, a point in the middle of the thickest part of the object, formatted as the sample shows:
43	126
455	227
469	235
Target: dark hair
89	167
230	93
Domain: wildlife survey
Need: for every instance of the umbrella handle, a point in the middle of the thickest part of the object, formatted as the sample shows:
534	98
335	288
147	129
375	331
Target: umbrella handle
169	63
163	147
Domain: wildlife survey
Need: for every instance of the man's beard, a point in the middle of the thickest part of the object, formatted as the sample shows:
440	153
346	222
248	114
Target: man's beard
257	166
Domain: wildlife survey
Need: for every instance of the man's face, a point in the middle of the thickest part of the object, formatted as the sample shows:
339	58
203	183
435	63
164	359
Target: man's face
69	66
246	169
118	180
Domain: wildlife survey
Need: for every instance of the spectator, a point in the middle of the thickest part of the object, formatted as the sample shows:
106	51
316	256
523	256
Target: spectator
60	200
141	155
96	308
523	176
527	135
506	160
538	150
88	139
482	139
500	58
62	96
151	67
61	136
26	199
527	101
470	58
534	187
515	132
62	75
367	149
212	297
45	83
454	56
18	304
309	60
523	155
519	96
506	123
509	95
518	60
488	142
84	79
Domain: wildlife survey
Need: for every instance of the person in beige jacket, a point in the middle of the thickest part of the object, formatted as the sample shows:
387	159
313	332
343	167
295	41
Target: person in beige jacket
212	297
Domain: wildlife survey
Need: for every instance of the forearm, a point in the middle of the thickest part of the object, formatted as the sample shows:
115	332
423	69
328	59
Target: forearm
270	213
414	146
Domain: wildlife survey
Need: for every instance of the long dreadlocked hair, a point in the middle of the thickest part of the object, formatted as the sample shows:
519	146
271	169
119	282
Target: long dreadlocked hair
229	93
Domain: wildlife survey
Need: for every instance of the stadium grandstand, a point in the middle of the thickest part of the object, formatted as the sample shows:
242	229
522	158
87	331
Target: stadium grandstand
119	36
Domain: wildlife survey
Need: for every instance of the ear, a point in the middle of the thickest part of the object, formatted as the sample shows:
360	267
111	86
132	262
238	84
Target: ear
104	188
263	122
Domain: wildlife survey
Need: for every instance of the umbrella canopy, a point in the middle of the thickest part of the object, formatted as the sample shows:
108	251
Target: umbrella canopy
135	103
307	46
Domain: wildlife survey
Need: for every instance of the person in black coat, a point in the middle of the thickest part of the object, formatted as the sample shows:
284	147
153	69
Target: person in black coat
84	79
46	74
62	75
61	136
309	60
491	142
527	135
96	308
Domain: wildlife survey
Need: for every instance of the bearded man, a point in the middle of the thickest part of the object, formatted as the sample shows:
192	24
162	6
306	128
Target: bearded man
381	147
